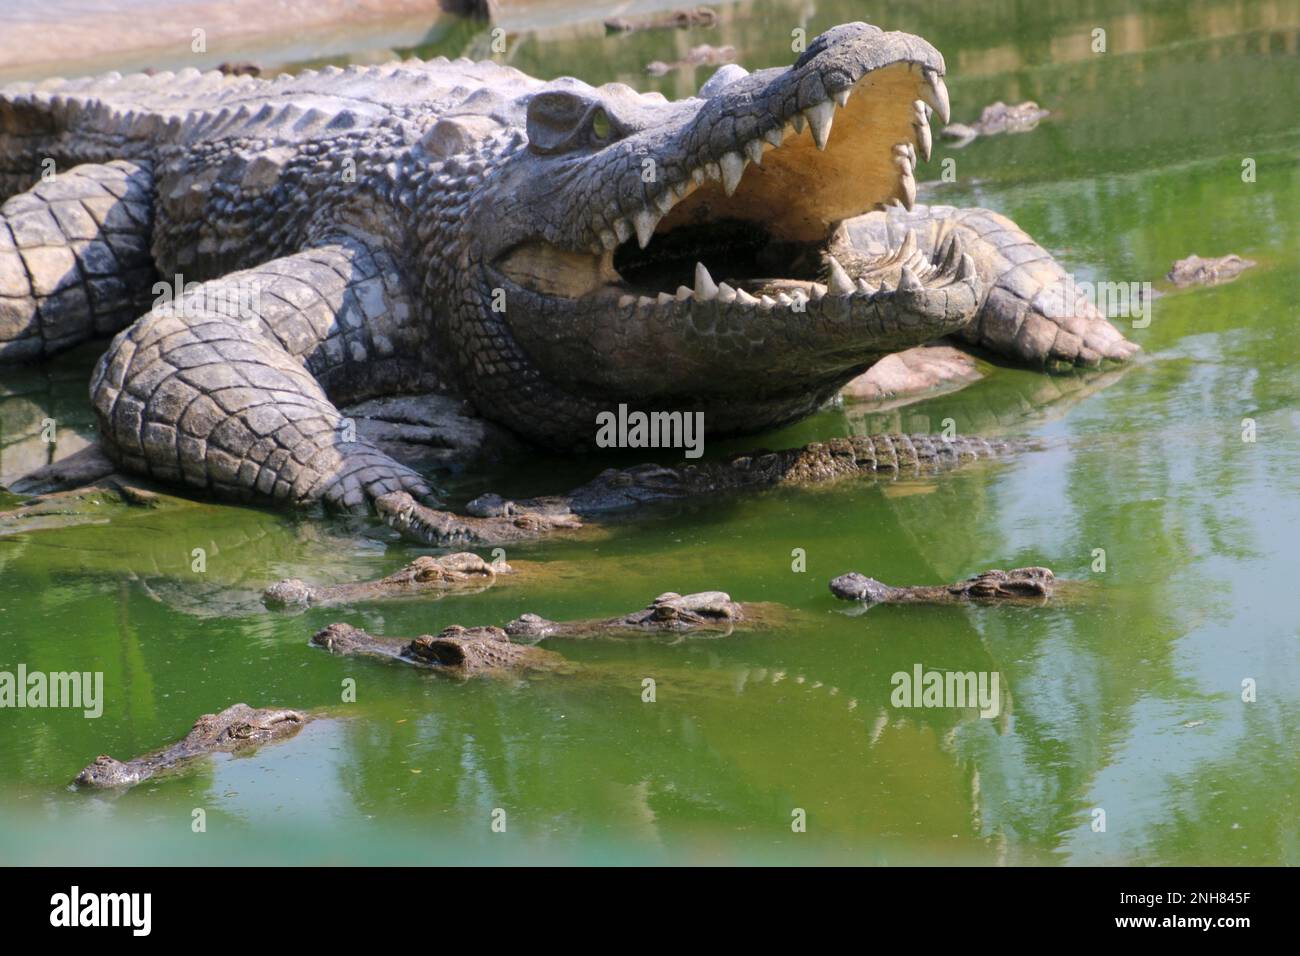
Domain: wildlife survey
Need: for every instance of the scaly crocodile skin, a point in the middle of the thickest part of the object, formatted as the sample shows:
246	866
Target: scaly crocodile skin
454	226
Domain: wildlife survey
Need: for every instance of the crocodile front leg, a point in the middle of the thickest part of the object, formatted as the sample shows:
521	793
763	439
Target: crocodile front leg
1032	311
226	388
74	258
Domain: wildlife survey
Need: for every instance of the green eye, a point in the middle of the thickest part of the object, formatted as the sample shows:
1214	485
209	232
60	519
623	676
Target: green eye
600	125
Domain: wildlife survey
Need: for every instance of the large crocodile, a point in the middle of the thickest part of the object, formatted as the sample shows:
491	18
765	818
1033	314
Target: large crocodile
237	728
545	250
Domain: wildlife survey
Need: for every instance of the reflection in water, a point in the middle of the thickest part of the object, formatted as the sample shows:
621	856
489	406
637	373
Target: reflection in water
1128	700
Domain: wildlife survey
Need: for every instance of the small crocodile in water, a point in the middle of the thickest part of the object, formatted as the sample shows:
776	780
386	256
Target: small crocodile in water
1197	271
702	55
474	651
237	728
997	118
675	20
465	572
493	519
1019	585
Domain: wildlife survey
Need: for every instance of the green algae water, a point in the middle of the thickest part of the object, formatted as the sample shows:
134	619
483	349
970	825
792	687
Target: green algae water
1171	488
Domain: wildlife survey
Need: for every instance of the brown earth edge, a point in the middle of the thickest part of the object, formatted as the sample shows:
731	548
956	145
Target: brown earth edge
58	38
124	36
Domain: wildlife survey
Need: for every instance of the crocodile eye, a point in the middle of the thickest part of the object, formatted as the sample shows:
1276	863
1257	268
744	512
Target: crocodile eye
560	121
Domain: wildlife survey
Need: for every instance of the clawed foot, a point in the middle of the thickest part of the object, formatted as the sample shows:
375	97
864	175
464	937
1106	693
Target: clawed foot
370	475
442	528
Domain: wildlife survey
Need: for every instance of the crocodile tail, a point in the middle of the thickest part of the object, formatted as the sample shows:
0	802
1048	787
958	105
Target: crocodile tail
55	124
50	128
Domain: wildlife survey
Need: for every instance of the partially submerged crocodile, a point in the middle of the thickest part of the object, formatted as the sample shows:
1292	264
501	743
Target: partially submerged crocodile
997	118
544	250
702	55
478	651
1019	585
668	613
237	728
463	571
455	650
1197	271
492	519
674	20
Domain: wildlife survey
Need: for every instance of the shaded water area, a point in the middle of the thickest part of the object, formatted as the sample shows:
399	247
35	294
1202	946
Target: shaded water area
1127	699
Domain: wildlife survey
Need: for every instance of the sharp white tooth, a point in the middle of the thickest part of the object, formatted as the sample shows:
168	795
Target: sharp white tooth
713	170
797	122
884	285
967	268
622	229
951	254
626	300
820	118
766	302
683	293
726	293
754	150
664	201
935	93
705	287
922	111
842	97
865	287
907	152
906	182
908	248
608	240
733	167
818	290
697	176
644	301
665	298
684	188
744	298
784	300
840	283
775	136
921	126
645	222
908	282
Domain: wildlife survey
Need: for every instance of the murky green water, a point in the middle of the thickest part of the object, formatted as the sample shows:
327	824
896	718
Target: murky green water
1128	700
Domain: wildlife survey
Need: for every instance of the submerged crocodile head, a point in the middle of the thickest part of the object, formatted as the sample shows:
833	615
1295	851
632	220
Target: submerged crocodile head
679	255
236	728
106	773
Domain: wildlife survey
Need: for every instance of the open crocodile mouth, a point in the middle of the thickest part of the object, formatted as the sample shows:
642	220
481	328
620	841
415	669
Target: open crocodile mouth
754	227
